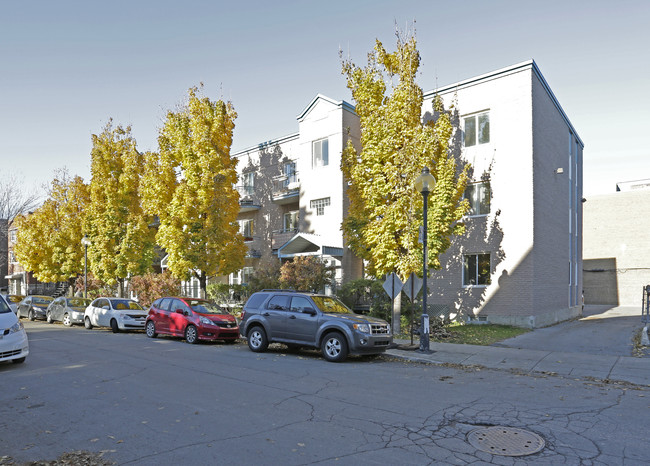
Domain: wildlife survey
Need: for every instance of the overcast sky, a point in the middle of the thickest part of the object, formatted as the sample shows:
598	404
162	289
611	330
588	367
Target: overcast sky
66	67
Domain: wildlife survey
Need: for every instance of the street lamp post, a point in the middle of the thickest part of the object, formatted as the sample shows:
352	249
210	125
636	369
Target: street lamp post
424	184
86	242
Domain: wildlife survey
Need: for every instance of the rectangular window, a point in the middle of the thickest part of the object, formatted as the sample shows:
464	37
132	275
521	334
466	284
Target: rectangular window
320	153
291	220
246	229
12	236
477	129
246	274
476	269
289	170
478	195
319	205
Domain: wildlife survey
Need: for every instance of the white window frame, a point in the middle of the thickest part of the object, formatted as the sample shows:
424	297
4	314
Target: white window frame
475	118
246	228
474	201
318	160
466	279
294	217
318	205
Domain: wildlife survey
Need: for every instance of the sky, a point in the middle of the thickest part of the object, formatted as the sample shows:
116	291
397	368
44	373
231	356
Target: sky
67	67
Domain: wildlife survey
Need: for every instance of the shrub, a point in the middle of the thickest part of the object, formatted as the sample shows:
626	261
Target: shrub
152	286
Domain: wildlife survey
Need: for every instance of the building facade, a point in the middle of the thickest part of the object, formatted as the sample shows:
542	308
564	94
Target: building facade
292	193
520	261
616	238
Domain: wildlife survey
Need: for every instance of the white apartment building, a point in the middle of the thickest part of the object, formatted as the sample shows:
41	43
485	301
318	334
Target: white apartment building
292	194
520	261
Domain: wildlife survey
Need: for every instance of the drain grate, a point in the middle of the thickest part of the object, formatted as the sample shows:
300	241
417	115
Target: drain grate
505	441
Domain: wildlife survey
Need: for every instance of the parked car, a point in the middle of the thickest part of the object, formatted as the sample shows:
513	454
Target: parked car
33	307
116	313
191	318
307	319
13	300
67	310
14	345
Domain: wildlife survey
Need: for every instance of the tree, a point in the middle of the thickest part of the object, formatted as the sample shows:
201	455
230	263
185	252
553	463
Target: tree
15	200
121	240
385	209
152	286
266	275
49	239
189	184
306	273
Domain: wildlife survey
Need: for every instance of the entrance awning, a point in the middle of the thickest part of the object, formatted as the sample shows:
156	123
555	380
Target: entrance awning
307	244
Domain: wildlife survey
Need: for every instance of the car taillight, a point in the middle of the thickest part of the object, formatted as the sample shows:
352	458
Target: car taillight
241	316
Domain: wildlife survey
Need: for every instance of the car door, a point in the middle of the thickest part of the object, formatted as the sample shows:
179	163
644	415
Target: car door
55	309
103	310
178	313
275	314
302	320
158	313
23	307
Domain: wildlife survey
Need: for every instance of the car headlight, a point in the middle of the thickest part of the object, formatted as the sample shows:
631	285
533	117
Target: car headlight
17	327
363	328
126	317
205	321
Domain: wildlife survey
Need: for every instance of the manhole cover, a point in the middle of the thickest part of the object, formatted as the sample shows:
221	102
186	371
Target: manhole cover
505	441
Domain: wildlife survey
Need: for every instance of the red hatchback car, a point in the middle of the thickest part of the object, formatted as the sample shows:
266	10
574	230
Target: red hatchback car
191	318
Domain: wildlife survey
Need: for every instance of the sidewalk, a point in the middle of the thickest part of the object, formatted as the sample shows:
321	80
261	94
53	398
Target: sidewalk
609	333
603	367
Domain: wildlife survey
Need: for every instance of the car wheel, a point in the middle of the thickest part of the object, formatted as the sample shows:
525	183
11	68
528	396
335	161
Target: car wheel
334	347
114	326
151	329
191	335
48	317
30	315
257	340
67	321
18	361
87	323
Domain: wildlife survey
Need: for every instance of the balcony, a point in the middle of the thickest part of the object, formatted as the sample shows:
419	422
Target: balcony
286	189
247	200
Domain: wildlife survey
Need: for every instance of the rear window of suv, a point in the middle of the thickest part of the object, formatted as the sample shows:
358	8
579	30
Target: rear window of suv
256	301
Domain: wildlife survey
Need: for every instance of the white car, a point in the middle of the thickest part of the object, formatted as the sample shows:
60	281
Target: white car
14	346
116	313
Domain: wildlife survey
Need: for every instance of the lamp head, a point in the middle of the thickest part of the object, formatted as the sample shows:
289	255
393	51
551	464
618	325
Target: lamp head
425	182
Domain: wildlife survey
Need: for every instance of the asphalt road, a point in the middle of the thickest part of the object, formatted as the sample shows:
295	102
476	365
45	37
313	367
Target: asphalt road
161	402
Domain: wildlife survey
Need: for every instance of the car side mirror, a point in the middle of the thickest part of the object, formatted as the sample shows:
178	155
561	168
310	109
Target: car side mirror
179	311
310	311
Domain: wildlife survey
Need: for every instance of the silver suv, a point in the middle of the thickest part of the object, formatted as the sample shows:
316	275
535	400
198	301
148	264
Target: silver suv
306	319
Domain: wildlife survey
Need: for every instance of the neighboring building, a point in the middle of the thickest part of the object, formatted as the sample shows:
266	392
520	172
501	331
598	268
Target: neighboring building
616	245
520	261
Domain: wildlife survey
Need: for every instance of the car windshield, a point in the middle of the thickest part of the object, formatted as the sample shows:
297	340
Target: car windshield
3	306
124	304
78	302
42	300
205	307
331	305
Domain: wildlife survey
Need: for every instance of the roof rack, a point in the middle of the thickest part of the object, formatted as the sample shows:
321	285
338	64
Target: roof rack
288	290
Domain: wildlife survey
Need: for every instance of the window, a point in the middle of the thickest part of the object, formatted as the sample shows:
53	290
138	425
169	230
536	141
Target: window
291	220
246	274
319	205
301	304
289	171
477	129
12	236
320	153
478	195
280	303
246	229
476	269
248	184
12	257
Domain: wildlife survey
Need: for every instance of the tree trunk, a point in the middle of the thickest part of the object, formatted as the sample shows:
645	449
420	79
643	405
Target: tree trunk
202	284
